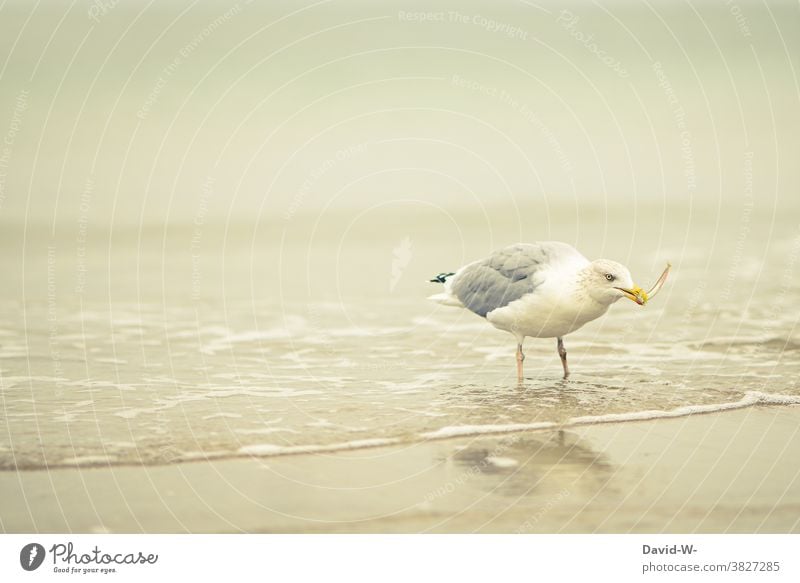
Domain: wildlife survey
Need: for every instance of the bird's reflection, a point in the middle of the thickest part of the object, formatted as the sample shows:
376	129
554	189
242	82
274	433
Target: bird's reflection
533	463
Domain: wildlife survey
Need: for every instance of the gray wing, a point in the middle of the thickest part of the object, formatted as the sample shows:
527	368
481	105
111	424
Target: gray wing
503	277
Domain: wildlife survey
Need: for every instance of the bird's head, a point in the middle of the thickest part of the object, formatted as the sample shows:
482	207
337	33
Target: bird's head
609	281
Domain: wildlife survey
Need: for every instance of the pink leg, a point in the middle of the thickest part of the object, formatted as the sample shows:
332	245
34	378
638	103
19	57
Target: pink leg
562	352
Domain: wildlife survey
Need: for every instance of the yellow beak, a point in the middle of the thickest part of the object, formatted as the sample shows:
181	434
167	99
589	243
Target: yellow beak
636	294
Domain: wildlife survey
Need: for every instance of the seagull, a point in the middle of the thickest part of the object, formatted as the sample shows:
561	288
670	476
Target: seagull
542	290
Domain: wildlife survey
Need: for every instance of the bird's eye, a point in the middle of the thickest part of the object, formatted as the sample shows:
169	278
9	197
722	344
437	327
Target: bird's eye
610	277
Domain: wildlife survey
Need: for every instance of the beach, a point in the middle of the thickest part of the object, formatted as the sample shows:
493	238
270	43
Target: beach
727	472
360	406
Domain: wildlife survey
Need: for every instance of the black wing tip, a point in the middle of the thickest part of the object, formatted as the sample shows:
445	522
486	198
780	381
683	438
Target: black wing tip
441	278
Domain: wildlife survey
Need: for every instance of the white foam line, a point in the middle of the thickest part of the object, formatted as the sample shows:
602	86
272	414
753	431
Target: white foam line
750	399
269	449
465	430
89	460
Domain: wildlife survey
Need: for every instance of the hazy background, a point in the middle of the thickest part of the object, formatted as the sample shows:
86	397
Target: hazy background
209	150
144	102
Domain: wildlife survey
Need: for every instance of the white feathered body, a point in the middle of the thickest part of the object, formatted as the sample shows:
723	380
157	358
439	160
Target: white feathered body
557	304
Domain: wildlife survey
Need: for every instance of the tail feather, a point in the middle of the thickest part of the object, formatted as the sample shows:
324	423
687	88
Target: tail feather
441	278
446	297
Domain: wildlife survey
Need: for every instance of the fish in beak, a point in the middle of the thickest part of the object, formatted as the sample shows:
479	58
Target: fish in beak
638	295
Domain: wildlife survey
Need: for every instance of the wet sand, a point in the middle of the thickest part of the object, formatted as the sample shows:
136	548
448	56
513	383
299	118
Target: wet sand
735	471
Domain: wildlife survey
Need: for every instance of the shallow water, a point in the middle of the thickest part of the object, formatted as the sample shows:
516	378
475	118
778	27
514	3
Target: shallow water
141	367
